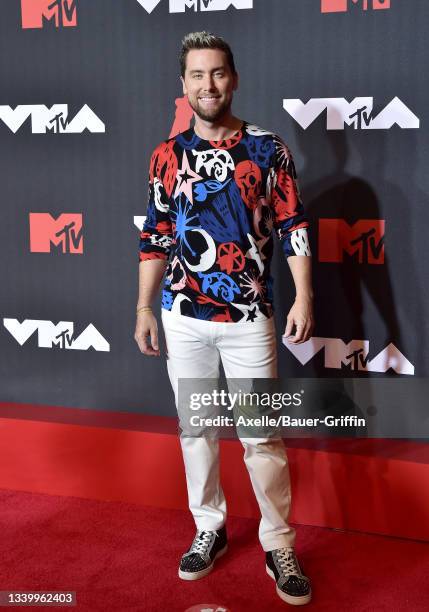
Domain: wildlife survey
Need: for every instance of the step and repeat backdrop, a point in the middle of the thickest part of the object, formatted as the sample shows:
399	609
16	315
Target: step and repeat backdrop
88	88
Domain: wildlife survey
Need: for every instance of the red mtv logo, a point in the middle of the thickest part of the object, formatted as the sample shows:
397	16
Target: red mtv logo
35	13
183	116
341	6
65	232
364	239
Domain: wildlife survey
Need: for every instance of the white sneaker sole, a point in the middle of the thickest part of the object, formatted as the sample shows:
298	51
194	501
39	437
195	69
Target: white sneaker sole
290	599
196	575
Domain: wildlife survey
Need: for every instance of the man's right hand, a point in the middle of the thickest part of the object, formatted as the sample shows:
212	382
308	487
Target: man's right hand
147	325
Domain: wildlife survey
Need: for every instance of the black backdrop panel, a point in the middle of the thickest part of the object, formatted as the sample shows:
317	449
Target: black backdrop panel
113	71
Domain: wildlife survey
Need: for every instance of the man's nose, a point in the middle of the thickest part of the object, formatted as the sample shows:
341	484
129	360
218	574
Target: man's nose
208	83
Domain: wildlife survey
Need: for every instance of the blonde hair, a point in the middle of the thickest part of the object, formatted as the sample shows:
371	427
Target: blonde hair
204	40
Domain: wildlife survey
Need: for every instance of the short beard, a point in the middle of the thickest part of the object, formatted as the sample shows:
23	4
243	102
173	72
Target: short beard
210	116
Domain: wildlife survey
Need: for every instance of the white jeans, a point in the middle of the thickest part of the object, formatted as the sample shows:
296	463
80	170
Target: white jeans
247	350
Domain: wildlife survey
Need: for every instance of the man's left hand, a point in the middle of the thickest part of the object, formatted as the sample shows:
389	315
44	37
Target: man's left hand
300	316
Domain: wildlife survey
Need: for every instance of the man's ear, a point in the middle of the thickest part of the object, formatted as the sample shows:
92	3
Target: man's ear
183	86
235	87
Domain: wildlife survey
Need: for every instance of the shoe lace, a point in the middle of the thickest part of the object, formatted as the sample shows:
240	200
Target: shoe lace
201	542
288	562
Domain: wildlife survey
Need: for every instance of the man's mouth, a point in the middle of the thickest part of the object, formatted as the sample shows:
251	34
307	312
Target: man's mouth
208	98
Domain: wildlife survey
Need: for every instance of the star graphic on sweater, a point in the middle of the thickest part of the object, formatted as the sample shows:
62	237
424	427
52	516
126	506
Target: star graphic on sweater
185	179
251	314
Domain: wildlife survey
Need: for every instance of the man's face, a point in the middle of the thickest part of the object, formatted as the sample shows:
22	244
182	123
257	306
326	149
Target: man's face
209	83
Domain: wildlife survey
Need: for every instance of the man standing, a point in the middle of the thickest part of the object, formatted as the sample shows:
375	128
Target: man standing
216	191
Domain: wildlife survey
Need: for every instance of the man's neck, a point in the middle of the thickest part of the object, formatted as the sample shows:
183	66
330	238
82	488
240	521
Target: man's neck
220	130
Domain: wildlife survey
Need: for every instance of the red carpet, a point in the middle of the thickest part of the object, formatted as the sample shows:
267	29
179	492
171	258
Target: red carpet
113	456
119	556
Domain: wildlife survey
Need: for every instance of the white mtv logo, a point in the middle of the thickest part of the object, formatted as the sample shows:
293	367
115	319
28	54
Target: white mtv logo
54	119
60	335
354	354
139	221
358	113
180	6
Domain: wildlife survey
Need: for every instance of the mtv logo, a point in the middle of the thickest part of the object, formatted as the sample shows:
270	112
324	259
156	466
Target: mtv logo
358	113
353	355
182	117
139	221
341	6
63	233
54	120
180	6
37	13
60	335
364	240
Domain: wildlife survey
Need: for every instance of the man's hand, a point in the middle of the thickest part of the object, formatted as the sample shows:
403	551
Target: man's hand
147	325
300	316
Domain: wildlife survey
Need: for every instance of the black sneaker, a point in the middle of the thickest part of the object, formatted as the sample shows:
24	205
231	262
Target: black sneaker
205	549
292	585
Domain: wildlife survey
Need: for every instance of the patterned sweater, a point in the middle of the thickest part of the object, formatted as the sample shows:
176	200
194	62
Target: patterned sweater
212	207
